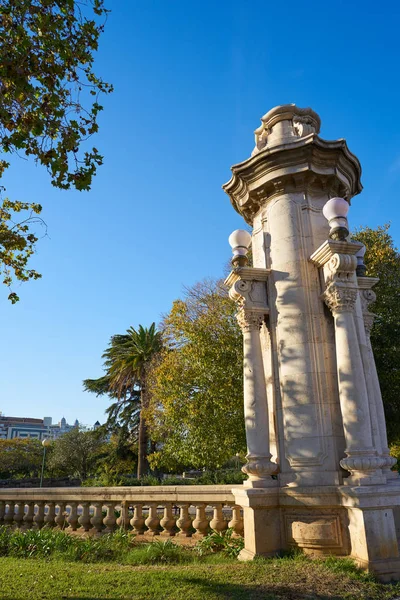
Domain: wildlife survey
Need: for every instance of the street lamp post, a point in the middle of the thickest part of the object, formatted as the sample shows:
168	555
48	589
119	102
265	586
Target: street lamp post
45	443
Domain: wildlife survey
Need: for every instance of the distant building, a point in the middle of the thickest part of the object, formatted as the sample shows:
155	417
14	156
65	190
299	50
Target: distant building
25	427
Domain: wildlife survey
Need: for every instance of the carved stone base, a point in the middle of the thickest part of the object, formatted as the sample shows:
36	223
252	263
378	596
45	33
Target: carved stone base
360	522
365	469
260	470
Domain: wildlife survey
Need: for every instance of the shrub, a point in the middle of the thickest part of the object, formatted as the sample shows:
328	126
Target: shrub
220	542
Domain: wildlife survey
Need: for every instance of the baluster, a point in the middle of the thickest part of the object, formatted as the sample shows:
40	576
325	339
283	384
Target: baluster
236	523
184	522
200	523
72	518
218	522
60	518
84	519
137	520
30	513
109	520
51	514
97	519
9	515
2	511
123	519
168	521
38	519
152	520
19	513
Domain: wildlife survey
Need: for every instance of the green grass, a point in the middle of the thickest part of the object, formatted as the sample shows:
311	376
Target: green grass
283	579
52	565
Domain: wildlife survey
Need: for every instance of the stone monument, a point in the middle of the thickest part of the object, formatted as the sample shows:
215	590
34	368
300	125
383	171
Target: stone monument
318	464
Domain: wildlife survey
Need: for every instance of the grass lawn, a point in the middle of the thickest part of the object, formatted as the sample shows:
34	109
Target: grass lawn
288	578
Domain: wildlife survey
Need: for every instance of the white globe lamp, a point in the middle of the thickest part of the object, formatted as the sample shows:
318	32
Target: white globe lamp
335	212
240	241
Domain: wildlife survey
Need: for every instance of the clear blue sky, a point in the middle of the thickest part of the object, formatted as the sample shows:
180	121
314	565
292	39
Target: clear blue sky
192	80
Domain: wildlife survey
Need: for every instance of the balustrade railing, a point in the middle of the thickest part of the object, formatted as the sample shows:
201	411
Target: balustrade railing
182	511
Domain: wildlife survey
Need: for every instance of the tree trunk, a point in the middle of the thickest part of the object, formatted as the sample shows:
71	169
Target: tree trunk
143	441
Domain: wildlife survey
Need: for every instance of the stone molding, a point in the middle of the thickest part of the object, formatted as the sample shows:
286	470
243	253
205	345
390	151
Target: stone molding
331	247
362	462
260	466
247	287
301	164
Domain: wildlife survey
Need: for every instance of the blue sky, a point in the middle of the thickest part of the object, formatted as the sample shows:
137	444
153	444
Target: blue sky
191	83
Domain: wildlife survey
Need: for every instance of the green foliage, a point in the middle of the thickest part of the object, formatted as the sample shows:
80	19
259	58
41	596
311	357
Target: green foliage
126	362
160	552
118	462
47	542
49	106
76	453
383	260
225	542
221	477
20	458
117	547
195	411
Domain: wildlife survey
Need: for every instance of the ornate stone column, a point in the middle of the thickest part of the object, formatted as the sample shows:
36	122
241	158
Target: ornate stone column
248	288
367	297
324	407
340	295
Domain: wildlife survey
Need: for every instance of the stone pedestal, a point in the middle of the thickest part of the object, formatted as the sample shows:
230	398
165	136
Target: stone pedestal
313	407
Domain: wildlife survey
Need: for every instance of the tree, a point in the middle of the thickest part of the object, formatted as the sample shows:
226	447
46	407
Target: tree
195	411
76	453
119	461
48	108
20	457
383	260
126	363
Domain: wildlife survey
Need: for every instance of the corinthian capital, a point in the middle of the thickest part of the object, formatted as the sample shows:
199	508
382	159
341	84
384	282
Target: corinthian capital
249	320
340	298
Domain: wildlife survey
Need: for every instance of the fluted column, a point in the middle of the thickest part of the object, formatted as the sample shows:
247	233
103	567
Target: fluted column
341	296
259	467
248	287
367	297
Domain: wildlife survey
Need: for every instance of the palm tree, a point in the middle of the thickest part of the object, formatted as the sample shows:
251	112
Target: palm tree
126	362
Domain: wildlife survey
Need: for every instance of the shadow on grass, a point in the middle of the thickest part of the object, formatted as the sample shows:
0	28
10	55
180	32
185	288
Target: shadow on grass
227	591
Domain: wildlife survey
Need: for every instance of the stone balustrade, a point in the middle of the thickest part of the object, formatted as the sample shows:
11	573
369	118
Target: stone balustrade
182	511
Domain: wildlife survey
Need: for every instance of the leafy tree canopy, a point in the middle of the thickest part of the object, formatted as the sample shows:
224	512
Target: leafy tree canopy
48	108
20	457
76	453
195	410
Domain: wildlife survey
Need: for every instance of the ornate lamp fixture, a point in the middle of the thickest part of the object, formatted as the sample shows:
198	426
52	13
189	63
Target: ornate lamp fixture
240	241
335	212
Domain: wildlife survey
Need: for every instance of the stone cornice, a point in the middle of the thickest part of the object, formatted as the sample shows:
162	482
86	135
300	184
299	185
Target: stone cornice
366	283
293	166
330	247
249	273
